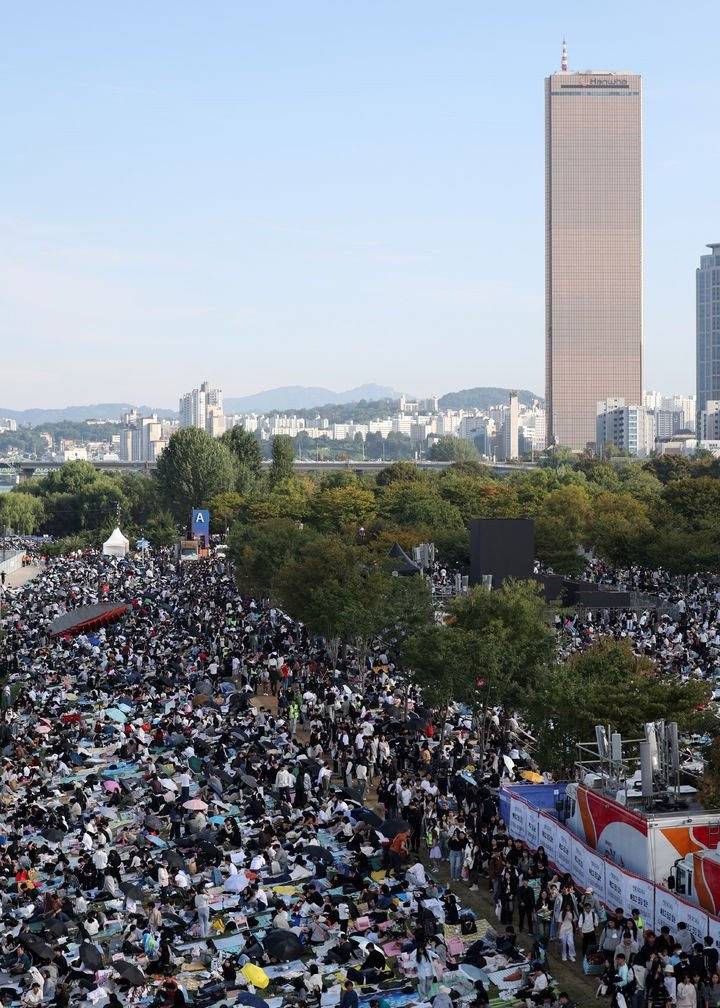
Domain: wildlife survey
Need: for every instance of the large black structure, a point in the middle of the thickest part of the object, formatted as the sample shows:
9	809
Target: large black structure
502	548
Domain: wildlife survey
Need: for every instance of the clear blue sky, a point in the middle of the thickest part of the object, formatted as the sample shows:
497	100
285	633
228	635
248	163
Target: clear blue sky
326	193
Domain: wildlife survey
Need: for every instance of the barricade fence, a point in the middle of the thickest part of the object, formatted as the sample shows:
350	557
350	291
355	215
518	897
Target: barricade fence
612	885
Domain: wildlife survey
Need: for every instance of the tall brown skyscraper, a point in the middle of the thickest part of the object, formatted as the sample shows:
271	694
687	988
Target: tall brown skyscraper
593	248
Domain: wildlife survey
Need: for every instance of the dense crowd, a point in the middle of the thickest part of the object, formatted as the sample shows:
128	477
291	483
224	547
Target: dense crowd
680	631
197	807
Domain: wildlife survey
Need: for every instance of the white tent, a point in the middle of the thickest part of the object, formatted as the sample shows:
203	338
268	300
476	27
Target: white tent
117	545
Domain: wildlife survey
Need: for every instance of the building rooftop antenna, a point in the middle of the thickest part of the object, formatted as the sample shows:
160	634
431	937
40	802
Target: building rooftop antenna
564	57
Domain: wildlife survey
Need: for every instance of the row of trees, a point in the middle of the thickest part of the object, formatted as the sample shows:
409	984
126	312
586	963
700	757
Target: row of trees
496	648
664	513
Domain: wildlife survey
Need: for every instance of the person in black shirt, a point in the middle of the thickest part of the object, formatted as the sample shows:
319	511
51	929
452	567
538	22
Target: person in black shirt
711	956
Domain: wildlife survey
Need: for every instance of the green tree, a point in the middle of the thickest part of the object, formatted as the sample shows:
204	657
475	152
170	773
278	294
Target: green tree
606	684
260	549
161	530
193	468
100	504
225	509
283	455
440	661
560	528
668	467
709	787
21	512
248	456
343	508
70	478
319	587
417	503
399	472
453	449
141	497
513	621
619	529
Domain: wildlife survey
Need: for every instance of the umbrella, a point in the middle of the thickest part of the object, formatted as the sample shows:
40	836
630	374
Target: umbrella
168	784
111	785
174	860
195	805
129	972
510	764
283	945
367	816
245	998
353	794
250	781
116	715
530	775
40	949
90	956
391	827
153	822
54	835
133	891
42	729
156	841
317	853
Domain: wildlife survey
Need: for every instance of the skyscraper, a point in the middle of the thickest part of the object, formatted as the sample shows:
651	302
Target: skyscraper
202	408
593	248
707	360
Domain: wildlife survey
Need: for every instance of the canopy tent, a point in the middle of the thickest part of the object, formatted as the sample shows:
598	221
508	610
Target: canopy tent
87	618
117	545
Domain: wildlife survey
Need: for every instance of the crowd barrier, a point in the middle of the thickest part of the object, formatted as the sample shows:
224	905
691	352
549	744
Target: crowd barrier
10	561
612	885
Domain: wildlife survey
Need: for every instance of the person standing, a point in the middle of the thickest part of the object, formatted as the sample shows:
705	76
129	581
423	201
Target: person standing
587	923
566	934
202	907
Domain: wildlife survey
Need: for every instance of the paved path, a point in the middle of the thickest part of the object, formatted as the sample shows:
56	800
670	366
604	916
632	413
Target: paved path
21	576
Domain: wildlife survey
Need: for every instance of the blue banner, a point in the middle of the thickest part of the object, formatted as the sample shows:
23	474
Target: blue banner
201	523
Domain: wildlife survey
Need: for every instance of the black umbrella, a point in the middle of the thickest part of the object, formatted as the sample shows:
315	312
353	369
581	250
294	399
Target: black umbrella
40	949
367	816
353	794
245	998
313	768
248	780
391	827
317	853
283	945
129	972
90	956
133	891
53	835
174	859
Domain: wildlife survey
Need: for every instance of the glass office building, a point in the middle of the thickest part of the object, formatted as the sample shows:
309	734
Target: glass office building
707	288
593	248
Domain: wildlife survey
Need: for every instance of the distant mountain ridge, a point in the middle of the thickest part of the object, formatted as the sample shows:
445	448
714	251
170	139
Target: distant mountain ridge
112	412
290	397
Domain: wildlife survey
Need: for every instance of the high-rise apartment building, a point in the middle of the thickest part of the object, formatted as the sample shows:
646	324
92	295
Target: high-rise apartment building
593	248
707	360
203	408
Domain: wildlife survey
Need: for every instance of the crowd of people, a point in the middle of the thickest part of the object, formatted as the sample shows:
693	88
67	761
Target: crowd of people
679	628
197	807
